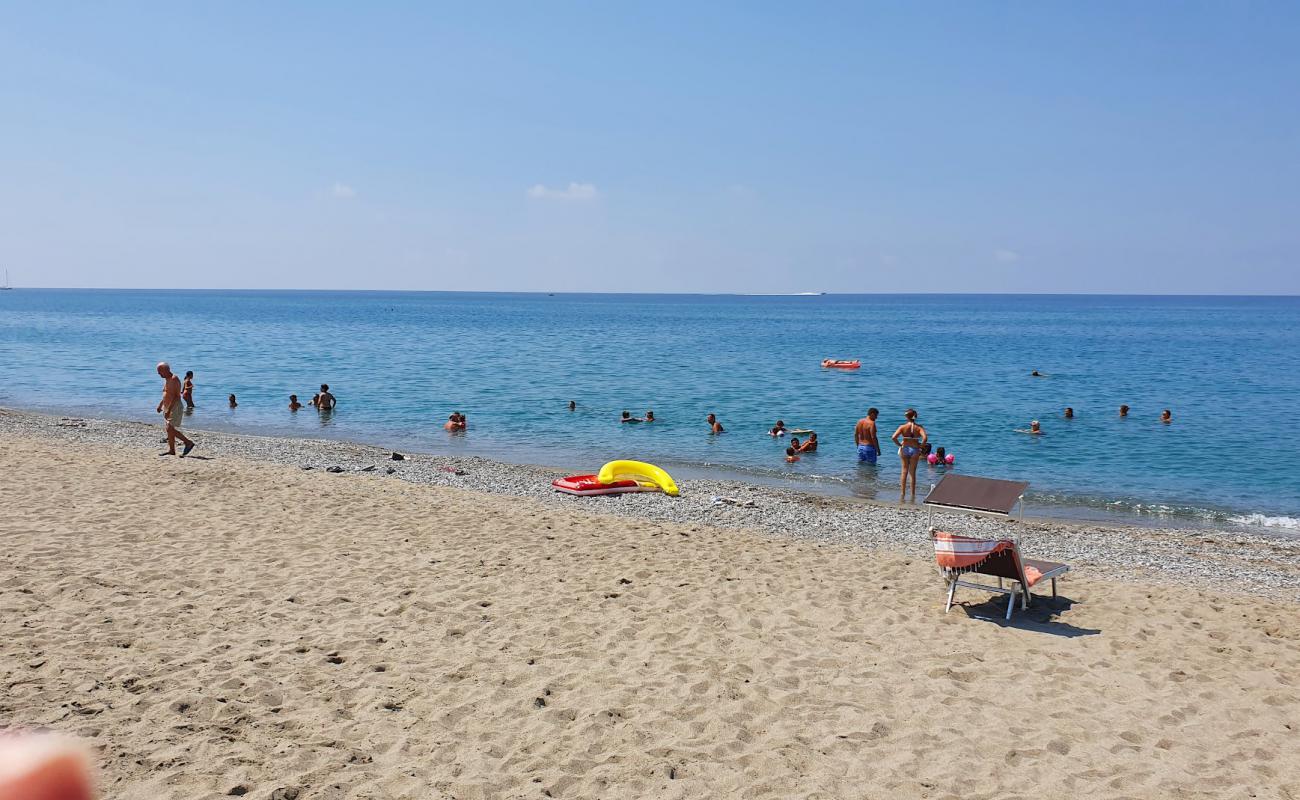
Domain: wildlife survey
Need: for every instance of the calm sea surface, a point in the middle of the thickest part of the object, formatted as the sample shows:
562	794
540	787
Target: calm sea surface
1229	368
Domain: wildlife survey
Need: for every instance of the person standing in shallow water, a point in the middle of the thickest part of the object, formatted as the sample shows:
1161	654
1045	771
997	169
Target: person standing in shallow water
324	401
865	436
187	389
909	437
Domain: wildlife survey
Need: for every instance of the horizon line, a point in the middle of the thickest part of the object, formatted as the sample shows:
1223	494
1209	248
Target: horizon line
809	295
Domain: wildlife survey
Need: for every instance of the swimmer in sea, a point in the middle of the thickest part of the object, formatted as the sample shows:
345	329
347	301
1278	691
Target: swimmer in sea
794	442
573	406
1035	374
809	446
941	456
627	417
1069	413
714	425
909	437
233	402
456	422
790	456
1166	417
187	389
1033	430
294	405
1123	411
778	429
649	416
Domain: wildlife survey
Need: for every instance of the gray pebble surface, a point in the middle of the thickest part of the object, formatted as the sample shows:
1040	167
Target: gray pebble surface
1225	560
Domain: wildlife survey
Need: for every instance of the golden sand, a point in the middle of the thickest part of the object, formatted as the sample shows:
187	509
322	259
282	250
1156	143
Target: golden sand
218	627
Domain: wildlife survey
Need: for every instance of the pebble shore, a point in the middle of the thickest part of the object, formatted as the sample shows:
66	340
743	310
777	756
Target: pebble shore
1226	560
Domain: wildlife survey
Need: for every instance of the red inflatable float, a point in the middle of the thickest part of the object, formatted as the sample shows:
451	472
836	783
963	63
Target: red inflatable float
831	363
590	484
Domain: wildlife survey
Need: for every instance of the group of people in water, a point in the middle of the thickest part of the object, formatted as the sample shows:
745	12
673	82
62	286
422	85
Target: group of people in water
1036	428
910	438
178	400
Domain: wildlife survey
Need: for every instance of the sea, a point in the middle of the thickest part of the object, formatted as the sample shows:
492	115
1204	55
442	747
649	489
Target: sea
1228	368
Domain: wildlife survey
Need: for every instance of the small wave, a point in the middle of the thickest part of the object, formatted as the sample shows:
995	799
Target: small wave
1265	521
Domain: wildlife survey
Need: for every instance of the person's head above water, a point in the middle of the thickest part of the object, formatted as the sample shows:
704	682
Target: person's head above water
164	369
812	437
872	413
1165	416
1033	425
780	423
711	418
1069	412
1123	411
910	414
232	401
649	415
627	414
189	373
572	405
324	387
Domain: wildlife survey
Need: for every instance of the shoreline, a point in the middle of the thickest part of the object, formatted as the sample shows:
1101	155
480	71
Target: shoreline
1070	511
1265	563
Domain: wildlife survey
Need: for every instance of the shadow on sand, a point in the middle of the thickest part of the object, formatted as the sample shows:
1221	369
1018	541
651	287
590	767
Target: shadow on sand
1040	617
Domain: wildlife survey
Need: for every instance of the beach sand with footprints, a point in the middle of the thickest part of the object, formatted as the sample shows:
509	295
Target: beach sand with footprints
222	627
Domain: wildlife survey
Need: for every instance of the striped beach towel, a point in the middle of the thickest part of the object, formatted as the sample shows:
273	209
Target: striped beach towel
958	554
964	554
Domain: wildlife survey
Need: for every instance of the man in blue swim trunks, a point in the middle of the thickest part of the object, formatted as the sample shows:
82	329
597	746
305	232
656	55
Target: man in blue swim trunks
865	436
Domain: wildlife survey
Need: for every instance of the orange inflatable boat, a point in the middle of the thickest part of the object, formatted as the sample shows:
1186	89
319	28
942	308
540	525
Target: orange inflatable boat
832	363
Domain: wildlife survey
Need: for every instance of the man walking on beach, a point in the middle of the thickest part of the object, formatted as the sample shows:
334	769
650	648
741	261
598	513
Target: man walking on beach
865	437
173	410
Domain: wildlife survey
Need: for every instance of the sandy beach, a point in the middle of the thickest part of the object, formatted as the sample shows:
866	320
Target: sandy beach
226	626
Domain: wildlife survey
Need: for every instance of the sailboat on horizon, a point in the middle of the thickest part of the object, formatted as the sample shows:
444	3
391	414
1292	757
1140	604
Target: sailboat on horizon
5	286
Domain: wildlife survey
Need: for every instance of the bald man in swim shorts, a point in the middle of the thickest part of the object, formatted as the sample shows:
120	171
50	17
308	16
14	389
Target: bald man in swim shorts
173	410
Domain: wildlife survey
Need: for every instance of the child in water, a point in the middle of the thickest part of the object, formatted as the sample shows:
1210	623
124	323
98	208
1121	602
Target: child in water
809	446
778	429
790	456
294	405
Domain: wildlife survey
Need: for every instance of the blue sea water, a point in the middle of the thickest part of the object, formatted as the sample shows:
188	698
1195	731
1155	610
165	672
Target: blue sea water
400	362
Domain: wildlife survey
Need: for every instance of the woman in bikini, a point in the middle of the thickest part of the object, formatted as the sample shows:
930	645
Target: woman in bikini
909	437
187	389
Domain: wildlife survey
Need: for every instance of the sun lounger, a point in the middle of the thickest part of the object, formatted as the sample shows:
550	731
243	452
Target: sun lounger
958	556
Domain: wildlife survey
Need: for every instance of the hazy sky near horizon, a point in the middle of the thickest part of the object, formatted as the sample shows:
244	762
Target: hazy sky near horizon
761	147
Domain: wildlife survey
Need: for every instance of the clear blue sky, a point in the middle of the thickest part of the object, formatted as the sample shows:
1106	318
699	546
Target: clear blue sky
1017	146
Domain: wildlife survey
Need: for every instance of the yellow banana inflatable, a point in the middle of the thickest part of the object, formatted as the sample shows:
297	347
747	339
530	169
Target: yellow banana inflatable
640	471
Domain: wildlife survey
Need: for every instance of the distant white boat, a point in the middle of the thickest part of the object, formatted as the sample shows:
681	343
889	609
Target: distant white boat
5	286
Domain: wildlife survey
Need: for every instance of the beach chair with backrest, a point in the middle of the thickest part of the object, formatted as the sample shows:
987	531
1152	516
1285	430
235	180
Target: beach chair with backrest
958	556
